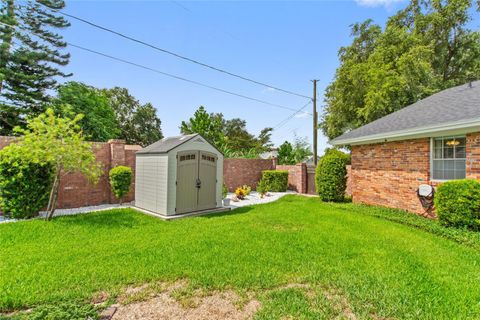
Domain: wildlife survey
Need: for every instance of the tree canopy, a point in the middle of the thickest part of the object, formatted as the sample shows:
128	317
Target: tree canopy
30	57
423	49
230	136
99	122
297	152
139	123
206	125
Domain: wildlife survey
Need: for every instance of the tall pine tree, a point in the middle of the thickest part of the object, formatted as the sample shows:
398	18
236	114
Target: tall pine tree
31	54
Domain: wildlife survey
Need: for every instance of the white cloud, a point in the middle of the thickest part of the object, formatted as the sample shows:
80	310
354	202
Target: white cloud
302	114
377	3
269	89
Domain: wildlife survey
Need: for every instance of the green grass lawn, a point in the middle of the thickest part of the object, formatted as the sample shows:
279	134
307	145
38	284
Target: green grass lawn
378	267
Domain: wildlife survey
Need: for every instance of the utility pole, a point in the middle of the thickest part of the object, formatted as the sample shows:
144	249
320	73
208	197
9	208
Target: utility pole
315	122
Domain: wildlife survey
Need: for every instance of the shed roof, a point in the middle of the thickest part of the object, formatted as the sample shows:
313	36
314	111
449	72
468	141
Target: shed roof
167	144
455	107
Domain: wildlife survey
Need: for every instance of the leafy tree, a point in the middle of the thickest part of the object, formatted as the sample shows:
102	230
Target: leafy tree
285	154
293	154
138	123
206	125
30	57
237	137
59	142
301	149
99	122
230	136
423	49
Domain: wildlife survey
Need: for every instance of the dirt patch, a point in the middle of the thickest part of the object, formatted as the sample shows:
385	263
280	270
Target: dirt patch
178	301
340	304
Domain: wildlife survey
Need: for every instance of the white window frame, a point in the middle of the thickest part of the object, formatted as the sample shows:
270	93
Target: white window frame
432	147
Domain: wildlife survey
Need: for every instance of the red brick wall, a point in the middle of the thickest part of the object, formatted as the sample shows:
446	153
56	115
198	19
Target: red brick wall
473	156
76	191
237	172
388	174
297	179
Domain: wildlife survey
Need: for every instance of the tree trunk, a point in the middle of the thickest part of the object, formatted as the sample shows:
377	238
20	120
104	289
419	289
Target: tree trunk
52	201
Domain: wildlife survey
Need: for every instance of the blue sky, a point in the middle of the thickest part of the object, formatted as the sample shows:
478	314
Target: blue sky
285	44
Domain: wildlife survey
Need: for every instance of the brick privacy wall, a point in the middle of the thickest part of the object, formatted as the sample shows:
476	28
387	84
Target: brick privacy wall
75	191
297	176
237	172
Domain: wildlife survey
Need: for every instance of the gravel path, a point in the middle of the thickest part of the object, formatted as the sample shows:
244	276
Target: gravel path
254	198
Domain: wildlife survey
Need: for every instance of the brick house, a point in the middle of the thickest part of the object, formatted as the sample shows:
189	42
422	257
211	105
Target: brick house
433	140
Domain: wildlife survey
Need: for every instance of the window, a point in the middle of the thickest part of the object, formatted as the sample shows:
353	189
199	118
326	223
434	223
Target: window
448	158
187	157
208	158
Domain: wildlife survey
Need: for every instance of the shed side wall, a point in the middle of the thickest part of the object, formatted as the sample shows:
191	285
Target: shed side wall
151	183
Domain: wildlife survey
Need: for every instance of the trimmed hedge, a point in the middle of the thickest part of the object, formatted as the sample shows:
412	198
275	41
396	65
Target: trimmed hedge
331	175
276	180
120	181
24	183
457	204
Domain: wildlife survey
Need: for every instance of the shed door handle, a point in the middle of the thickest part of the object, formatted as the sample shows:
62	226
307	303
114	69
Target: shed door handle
198	183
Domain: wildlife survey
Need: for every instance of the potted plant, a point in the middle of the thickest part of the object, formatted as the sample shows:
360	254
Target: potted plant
226	201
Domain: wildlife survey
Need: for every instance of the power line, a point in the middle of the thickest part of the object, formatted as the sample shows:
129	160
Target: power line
180	78
176	54
169	74
284	121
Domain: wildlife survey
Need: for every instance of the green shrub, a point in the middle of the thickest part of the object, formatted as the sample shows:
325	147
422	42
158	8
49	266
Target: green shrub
120	181
262	188
247	189
276	180
457	204
24	183
331	175
224	191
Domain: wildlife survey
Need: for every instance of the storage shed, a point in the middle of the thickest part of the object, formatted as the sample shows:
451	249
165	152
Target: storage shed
179	175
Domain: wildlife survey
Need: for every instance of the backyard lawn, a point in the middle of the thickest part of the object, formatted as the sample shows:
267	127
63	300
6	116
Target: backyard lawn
378	268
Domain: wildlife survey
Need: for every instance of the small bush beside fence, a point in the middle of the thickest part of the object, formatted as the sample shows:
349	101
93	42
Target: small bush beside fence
276	180
24	183
331	175
120	181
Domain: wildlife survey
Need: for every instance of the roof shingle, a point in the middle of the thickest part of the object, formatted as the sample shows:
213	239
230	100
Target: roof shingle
451	105
166	144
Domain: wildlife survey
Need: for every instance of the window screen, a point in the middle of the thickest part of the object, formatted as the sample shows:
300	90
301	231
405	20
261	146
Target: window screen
448	158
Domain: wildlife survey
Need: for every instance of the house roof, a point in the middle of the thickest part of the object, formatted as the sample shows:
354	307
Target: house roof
166	144
448	110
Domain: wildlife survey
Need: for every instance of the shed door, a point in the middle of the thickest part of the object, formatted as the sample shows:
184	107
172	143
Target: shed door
187	174
196	181
207	173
